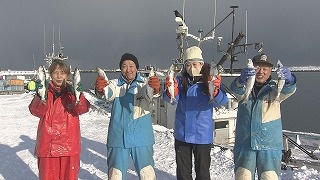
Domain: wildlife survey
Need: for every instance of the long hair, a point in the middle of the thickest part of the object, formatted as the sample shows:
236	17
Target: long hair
205	71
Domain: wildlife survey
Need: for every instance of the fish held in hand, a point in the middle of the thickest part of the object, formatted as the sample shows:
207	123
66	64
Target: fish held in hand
213	72
281	81
249	84
171	87
76	81
41	76
103	74
150	90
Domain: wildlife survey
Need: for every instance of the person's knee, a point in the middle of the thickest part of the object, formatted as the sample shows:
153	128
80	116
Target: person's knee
269	175
114	174
147	173
243	174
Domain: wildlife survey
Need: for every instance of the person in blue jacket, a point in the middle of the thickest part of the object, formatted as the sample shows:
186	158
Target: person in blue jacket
193	128
130	130
258	140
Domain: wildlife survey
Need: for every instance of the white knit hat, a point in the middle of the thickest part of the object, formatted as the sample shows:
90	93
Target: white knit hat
194	54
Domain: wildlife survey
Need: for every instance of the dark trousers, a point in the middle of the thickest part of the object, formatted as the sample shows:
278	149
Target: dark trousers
202	160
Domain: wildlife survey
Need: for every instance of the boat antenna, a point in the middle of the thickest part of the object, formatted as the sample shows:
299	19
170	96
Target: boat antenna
60	46
232	36
52	41
59	39
183	9
44	39
231	13
245	48
214	17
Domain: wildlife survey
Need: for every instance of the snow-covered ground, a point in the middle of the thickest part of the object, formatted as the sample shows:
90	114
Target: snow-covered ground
18	132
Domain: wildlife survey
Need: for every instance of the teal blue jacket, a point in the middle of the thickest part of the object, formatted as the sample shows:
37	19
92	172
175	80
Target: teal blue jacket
131	122
259	125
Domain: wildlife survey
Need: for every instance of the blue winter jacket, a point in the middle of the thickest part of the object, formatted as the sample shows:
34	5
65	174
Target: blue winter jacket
131	122
193	118
259	125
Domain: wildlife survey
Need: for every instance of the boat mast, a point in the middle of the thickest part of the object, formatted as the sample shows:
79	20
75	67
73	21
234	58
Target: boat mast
44	40
214	18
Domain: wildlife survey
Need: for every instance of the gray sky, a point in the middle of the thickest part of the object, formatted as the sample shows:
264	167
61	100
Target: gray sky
95	33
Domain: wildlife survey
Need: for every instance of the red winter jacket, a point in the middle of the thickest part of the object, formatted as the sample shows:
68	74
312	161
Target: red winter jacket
59	128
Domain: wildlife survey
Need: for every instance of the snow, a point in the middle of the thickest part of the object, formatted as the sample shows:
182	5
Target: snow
18	133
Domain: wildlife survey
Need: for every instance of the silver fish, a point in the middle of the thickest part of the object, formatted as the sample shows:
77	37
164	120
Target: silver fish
150	93
76	80
280	83
42	77
249	84
171	88
213	72
103	74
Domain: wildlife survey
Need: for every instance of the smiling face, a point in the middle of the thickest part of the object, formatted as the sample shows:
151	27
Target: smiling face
263	72
59	77
59	71
129	70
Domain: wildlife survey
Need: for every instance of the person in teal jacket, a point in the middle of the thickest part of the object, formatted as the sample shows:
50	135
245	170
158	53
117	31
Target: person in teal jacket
258	140
130	131
194	123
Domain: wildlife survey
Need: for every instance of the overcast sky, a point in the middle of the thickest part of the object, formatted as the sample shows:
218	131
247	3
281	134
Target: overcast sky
95	33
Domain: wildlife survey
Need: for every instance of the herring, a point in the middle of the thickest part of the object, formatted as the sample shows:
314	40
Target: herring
150	91
280	83
103	74
76	81
41	76
213	72
171	87
249	84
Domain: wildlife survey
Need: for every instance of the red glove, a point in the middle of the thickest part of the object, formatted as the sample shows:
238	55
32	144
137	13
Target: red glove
168	83
217	84
100	84
154	82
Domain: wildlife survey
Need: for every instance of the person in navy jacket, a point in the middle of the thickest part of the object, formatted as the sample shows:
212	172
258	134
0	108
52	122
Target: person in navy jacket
194	126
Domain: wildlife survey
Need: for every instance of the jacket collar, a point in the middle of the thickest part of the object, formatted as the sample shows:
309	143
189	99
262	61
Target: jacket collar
122	80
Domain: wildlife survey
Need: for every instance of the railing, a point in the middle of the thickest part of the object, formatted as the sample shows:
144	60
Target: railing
293	69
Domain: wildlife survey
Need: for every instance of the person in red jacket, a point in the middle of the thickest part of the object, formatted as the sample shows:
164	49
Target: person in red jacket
58	136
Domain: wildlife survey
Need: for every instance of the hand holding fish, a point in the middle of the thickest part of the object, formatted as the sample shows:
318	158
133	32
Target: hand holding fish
77	84
171	87
171	84
216	83
100	84
154	83
41	84
246	73
247	77
285	73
